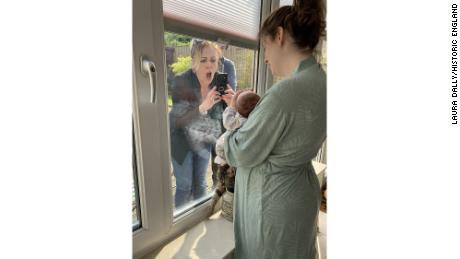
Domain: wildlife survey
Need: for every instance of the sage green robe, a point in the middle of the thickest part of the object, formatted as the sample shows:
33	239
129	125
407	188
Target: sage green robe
277	194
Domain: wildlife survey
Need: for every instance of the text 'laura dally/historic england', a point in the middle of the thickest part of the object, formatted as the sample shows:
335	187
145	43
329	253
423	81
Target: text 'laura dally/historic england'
454	93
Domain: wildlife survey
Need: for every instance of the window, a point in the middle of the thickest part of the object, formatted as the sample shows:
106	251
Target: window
239	65
160	32
286	2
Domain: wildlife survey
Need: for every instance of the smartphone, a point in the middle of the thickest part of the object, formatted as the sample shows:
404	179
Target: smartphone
221	83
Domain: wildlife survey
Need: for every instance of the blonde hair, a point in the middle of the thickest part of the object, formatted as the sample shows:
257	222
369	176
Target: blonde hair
197	48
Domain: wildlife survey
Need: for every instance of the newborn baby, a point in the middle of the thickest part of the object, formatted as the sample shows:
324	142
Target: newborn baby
233	119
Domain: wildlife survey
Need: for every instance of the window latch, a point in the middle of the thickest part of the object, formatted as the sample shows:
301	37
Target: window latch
148	69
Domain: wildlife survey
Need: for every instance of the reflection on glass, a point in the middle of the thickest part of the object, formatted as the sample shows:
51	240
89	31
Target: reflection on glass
135	204
196	119
135	216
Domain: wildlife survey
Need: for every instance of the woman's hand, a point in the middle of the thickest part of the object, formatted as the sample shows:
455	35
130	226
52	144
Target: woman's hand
211	98
228	96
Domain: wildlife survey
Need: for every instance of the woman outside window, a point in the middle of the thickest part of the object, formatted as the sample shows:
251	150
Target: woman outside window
195	121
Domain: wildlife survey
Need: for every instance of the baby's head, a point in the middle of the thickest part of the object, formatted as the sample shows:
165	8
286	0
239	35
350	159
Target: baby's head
246	102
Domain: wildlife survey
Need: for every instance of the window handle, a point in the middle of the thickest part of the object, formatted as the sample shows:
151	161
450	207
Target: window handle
148	69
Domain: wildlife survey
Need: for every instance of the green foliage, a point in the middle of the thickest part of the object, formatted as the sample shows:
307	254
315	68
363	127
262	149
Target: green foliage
173	39
244	65
169	101
181	65
248	68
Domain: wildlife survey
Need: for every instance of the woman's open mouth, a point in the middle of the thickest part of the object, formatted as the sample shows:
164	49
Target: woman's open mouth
209	76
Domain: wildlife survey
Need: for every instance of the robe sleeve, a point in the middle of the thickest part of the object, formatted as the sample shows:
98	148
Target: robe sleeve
251	145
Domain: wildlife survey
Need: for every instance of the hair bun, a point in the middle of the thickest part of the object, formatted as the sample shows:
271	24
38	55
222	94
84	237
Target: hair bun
304	21
306	4
308	12
305	17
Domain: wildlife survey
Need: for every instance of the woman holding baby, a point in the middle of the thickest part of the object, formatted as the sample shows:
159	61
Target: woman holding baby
277	194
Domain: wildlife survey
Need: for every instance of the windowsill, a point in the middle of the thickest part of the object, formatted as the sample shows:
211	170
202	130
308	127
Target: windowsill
211	238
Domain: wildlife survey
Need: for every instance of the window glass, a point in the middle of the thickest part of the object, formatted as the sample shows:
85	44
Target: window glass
135	214
193	134
135	204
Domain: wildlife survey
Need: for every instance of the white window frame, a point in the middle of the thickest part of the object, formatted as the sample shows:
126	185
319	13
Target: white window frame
158	225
